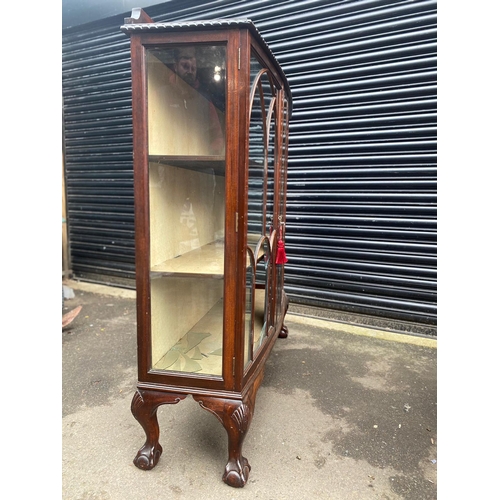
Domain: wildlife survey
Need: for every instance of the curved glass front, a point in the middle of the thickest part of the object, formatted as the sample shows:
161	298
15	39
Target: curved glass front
262	136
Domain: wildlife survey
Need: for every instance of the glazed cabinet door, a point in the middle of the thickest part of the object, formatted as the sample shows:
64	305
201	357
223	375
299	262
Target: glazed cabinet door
280	196
186	118
184	181
261	210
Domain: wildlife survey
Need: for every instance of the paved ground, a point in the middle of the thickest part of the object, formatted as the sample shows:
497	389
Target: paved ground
343	413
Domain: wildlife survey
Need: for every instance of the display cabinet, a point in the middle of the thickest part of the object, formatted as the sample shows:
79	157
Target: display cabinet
211	107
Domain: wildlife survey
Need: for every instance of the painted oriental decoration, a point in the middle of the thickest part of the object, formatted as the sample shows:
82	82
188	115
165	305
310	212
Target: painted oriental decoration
210	114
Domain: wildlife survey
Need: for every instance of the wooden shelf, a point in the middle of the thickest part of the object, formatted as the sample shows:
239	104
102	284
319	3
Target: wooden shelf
206	261
208	164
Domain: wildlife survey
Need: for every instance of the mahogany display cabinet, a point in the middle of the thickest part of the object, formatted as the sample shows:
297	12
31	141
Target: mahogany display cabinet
211	107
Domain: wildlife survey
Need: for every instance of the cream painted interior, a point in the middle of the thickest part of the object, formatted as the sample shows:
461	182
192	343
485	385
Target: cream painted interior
187	216
175	126
186	213
180	305
187	252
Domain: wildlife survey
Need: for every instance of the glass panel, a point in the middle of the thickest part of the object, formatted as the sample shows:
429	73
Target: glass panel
270	204
261	311
262	94
281	202
270	166
279	293
186	100
261	193
283	157
186	116
257	153
249	307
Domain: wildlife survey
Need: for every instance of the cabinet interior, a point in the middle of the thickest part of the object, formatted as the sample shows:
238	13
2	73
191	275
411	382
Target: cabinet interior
187	267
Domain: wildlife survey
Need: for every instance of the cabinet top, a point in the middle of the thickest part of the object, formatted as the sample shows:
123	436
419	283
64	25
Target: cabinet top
140	22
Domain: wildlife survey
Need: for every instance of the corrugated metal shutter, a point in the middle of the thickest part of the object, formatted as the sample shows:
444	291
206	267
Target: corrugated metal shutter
98	154
361	211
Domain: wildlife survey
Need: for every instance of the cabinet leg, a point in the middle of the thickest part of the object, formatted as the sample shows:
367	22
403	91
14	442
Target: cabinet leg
235	416
283	334
144	406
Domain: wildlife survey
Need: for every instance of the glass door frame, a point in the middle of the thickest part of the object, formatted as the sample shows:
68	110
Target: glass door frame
246	374
139	45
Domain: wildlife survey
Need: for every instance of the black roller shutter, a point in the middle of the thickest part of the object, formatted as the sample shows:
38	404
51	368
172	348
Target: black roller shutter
361	211
98	154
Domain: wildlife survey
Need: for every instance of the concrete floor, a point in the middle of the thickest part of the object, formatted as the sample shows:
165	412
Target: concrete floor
343	413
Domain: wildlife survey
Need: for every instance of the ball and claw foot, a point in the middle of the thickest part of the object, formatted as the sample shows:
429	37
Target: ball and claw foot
144	405
283	332
236	474
147	457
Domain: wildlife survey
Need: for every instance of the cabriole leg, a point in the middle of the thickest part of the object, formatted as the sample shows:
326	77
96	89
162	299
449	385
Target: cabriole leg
144	406
235	416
